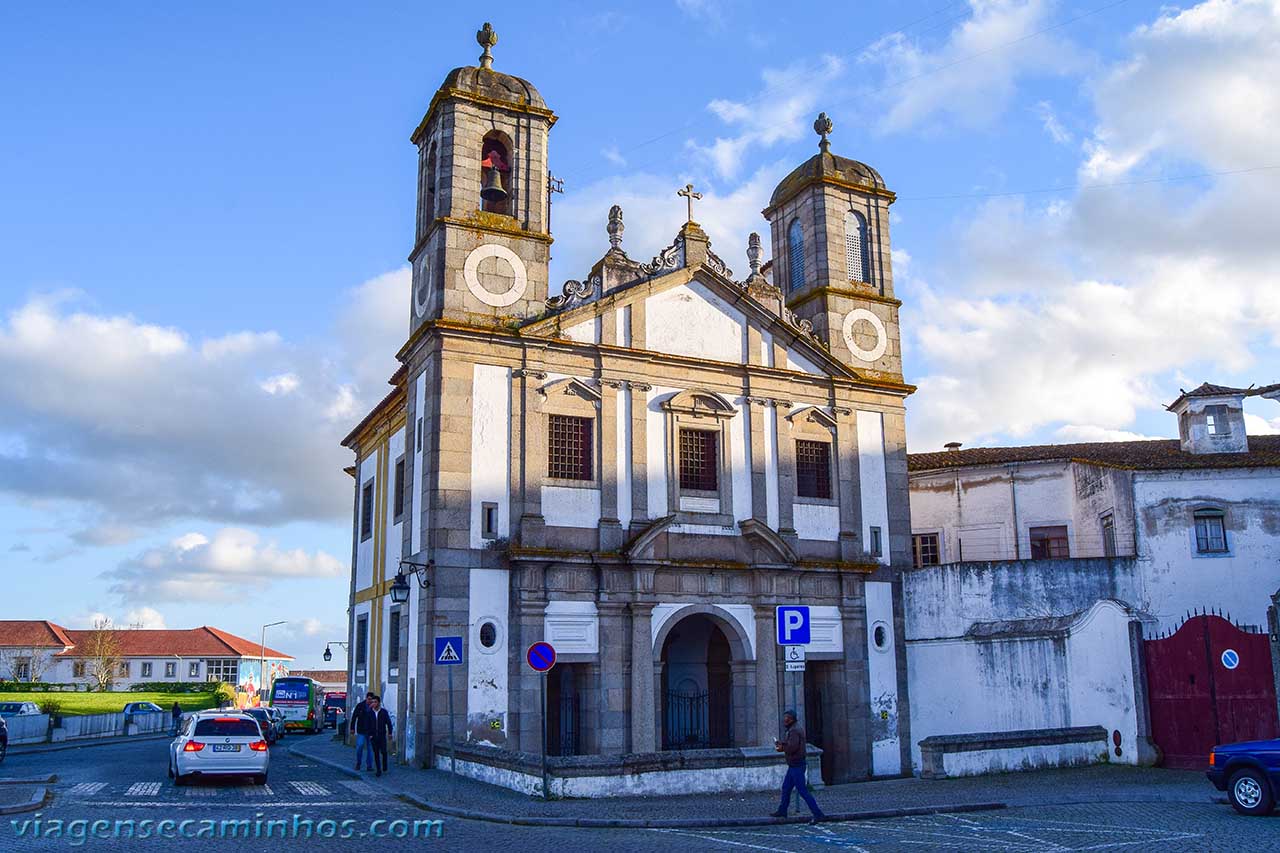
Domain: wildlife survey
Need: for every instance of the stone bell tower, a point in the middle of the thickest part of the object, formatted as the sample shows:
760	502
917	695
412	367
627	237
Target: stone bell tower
482	244
829	221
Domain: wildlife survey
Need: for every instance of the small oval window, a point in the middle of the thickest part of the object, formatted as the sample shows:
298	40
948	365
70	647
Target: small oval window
880	637
488	635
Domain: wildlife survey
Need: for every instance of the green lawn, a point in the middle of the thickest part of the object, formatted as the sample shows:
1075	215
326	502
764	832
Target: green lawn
103	703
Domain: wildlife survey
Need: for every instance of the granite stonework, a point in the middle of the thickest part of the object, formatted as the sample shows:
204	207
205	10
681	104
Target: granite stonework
660	592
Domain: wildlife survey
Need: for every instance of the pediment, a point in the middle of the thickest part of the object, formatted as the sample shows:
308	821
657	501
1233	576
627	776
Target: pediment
697	303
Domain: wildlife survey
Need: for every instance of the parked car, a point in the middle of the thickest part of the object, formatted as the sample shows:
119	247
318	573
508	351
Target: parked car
4	738
18	709
143	708
265	722
335	709
1249	772
218	743
278	716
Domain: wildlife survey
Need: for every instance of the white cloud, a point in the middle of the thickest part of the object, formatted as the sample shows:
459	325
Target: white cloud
782	111
1258	425
145	617
614	156
134	424
1086	311
1052	126
227	566
1088	432
972	77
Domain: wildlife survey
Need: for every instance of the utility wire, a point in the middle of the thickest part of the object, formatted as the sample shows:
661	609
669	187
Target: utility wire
1083	187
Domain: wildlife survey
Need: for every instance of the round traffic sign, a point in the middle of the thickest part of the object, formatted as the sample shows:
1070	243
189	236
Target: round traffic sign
541	656
1231	659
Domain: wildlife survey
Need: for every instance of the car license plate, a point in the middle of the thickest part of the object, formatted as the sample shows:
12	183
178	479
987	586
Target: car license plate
226	747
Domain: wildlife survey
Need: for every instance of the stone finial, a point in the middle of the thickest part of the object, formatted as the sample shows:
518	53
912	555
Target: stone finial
616	227
754	253
823	126
486	38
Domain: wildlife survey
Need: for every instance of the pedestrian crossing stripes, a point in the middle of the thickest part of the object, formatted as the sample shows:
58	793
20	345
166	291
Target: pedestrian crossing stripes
362	788
143	789
86	788
310	789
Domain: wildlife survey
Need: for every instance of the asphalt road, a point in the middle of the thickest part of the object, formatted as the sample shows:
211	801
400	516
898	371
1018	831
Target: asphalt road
127	782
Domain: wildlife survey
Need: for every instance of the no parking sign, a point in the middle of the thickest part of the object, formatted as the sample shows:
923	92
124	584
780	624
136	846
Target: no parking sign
1231	659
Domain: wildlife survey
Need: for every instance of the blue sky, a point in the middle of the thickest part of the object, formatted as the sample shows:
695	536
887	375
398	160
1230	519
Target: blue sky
204	215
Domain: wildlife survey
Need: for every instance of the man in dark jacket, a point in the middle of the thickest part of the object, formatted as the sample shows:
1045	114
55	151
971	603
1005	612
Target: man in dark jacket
380	735
362	726
793	745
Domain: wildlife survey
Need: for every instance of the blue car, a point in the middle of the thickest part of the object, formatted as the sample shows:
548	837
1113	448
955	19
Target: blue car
1249	772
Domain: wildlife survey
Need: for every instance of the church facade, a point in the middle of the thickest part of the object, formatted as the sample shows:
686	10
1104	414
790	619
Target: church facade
637	467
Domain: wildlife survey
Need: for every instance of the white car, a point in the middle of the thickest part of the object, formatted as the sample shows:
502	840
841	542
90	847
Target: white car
218	743
18	709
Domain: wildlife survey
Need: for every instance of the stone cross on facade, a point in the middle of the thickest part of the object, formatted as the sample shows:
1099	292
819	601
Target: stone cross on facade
689	196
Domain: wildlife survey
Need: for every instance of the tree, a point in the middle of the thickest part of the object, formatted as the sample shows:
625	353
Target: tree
24	664
103	654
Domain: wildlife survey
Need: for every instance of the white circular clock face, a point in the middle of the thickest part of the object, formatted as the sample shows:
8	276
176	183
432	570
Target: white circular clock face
882	337
515	281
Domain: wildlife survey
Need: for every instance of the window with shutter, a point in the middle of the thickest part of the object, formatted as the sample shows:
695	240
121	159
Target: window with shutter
795	250
855	246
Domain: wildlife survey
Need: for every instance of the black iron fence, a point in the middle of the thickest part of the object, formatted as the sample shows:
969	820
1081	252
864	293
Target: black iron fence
569	731
695	721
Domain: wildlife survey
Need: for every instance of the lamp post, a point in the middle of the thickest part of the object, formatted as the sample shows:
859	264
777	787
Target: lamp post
262	661
328	654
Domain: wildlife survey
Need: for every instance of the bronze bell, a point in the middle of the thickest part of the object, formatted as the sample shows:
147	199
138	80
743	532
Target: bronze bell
492	189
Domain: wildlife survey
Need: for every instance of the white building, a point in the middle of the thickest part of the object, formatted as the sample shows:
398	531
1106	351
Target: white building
1201	514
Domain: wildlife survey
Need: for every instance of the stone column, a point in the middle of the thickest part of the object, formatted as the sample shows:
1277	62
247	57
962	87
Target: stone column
610	525
639	392
857	687
768	710
643	702
786	472
847	487
611	682
743	722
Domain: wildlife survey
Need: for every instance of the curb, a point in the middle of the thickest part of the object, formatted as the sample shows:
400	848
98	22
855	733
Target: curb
694	823
37	749
38	799
635	823
42	780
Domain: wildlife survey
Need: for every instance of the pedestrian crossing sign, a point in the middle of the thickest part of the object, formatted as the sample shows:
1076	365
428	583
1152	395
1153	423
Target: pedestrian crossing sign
448	651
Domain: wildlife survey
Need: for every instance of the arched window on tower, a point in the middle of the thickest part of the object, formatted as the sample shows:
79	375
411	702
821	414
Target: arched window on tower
429	197
855	247
495	174
795	255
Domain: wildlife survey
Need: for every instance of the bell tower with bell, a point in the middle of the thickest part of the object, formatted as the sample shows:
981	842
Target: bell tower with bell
829	221
482	241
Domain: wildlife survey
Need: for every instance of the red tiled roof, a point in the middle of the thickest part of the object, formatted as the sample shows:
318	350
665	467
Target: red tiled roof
1208	389
1154	455
325	676
33	634
192	642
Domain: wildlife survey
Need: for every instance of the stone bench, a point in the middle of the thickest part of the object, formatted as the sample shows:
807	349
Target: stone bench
946	756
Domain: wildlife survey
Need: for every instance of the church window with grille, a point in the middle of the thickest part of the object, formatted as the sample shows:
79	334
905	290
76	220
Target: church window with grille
813	469
1211	531
569	447
855	247
699	460
795	255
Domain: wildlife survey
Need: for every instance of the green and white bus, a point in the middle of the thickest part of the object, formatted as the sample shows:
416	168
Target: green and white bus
301	701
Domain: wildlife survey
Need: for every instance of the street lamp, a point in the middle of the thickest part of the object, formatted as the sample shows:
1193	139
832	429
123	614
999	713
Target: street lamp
263	656
328	654
400	586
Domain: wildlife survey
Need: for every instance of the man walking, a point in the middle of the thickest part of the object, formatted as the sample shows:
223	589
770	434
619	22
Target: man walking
381	733
176	712
793	745
362	725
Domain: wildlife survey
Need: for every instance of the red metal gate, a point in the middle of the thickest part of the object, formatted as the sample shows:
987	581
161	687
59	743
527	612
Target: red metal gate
1209	683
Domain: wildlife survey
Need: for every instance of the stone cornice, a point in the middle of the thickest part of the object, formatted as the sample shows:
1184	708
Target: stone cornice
835	182
847	292
480	100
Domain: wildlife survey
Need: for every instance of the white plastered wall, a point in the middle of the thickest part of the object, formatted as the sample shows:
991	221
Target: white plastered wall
490	448
882	671
872	481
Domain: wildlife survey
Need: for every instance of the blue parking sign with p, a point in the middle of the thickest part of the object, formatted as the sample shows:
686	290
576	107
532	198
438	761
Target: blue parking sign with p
793	624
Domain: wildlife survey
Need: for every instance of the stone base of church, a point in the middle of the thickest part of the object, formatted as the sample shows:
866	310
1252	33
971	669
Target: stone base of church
752	768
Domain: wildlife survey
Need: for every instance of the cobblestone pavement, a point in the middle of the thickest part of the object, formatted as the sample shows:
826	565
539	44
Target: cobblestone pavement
127	782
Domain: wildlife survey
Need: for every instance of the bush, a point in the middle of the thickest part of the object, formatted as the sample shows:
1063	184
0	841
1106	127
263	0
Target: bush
224	693
33	687
174	687
51	706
